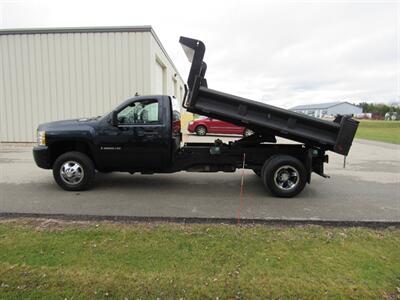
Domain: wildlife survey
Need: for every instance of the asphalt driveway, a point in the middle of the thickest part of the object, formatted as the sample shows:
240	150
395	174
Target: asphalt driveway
367	190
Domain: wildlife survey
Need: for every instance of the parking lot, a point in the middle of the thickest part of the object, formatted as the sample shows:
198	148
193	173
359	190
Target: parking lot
367	189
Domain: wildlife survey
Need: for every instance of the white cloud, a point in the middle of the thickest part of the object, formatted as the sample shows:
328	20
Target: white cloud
284	53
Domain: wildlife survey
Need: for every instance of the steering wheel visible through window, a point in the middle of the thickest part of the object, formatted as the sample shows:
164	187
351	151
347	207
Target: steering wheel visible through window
139	112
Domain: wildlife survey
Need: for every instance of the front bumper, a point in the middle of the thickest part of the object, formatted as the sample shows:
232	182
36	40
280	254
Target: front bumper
41	154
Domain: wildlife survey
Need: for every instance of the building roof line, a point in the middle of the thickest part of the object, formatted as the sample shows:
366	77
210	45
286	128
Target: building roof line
339	104
320	105
144	28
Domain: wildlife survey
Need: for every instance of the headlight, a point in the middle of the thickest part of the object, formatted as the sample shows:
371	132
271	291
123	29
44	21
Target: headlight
191	123
41	138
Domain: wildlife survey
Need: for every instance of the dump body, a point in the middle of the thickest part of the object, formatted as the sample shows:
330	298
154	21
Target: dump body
262	118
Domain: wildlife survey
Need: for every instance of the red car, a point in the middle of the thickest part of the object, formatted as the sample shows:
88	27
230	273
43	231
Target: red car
203	126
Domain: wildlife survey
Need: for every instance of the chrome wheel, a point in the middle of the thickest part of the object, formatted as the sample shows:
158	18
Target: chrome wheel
286	177
71	172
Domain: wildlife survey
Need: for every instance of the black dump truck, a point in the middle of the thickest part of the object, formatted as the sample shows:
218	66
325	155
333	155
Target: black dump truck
143	135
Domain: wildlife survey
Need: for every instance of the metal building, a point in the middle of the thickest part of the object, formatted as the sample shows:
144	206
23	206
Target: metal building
54	74
328	109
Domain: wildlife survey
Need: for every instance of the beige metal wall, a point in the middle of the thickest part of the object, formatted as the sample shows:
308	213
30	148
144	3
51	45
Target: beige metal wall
53	76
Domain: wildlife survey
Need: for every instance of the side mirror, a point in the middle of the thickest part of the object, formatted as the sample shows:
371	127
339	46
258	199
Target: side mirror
114	118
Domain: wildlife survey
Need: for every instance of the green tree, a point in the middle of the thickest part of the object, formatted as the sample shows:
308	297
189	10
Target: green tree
378	108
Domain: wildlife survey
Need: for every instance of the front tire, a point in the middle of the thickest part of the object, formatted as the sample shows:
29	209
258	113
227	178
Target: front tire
285	176
201	130
74	171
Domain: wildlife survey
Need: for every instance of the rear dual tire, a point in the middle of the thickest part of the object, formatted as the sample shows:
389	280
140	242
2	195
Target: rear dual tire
74	171
284	176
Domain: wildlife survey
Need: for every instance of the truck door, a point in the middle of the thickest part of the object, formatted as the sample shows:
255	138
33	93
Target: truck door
138	142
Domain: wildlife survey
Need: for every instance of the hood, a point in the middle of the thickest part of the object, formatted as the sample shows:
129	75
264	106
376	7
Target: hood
68	124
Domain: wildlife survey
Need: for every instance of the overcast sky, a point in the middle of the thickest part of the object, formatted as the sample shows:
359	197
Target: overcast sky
284	53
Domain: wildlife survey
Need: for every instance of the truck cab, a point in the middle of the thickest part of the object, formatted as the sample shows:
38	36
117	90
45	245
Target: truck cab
142	134
139	135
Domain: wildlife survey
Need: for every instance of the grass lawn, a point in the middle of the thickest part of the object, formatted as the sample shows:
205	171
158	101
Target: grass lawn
383	131
66	260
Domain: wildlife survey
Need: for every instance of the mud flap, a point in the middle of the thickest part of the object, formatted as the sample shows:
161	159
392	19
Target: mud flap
315	163
308	165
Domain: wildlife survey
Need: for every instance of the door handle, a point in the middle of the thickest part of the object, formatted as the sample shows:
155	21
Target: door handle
122	128
146	133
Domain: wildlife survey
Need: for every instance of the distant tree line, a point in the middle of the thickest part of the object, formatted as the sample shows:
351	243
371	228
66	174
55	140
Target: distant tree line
378	108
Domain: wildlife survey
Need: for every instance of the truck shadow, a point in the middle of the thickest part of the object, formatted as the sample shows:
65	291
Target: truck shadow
184	185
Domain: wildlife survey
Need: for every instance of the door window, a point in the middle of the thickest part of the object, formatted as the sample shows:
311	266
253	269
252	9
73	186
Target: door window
139	112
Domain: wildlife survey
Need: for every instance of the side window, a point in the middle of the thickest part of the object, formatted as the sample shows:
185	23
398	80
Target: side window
176	113
139	112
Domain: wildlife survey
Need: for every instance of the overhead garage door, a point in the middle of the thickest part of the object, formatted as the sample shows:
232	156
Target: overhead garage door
159	88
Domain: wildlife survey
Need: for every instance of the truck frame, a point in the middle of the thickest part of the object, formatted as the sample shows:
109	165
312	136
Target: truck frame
75	149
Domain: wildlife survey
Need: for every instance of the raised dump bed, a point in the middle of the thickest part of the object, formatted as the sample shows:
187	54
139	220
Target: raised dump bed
264	119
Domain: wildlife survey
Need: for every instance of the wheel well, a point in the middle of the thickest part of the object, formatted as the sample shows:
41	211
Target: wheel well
258	164
58	148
